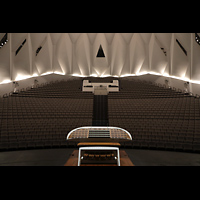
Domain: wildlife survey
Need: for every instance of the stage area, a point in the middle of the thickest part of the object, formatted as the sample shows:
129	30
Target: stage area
58	157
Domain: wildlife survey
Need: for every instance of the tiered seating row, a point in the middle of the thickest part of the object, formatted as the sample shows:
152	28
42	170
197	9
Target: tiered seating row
40	133
140	89
167	108
35	108
43	120
154	122
62	89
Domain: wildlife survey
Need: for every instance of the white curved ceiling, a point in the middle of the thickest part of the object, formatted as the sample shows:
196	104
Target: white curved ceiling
75	54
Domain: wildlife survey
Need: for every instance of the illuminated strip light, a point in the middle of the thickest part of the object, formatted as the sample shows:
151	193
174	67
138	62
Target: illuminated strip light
6	81
55	72
102	76
165	75
18	78
98	127
139	74
46	73
125	75
94	75
99	148
193	81
60	73
35	75
22	77
78	75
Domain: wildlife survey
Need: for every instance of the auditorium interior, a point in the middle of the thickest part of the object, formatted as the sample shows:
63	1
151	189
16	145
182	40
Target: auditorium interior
99	99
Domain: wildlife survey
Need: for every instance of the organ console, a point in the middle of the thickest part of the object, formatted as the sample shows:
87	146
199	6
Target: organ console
99	146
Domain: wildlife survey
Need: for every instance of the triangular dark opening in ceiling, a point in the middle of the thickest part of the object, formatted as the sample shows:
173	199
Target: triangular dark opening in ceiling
100	53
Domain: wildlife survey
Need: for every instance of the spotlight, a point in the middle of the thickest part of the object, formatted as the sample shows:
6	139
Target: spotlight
197	38
3	40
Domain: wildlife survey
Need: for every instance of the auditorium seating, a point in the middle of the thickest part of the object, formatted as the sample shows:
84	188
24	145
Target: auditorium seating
43	116
62	89
156	117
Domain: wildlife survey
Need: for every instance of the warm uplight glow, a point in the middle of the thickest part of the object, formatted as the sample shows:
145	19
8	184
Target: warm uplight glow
34	75
194	81
165	75
163	70
127	75
142	73
104	75
97	72
94	75
154	73
6	81
79	75
46	73
61	73
22	77
179	78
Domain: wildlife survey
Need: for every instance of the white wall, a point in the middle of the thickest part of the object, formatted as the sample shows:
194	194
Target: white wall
63	54
100	66
125	53
21	61
5	73
178	84
118	54
158	60
7	88
83	54
137	53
